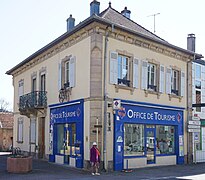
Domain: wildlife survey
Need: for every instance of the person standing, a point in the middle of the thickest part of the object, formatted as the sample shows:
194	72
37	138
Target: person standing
95	159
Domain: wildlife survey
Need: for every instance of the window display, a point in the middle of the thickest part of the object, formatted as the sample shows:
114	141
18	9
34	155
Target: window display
133	139
165	141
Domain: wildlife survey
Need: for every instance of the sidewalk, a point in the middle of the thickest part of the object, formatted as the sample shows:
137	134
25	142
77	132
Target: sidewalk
49	171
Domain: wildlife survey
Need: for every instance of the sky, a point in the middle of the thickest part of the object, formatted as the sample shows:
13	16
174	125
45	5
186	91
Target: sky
28	25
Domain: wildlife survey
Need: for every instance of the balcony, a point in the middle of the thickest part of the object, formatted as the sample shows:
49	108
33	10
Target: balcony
32	103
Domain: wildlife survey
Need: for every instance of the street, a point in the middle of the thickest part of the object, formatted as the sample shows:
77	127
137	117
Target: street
42	169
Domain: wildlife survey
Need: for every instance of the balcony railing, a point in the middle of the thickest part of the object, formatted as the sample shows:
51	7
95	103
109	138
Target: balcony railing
33	100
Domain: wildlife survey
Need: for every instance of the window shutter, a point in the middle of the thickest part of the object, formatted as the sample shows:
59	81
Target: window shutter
72	71
59	76
168	80
144	74
113	67
161	79
182	83
21	88
135	73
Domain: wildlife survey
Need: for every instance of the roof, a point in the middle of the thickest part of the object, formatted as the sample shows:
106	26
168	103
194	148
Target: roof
115	17
200	61
110	17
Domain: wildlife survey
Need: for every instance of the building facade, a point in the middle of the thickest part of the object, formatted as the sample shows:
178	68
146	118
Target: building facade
107	80
6	130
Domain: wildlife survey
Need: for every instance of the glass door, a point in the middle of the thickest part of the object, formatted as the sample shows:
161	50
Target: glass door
150	144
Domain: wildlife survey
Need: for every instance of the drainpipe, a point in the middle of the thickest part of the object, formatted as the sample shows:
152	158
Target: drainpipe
189	134
105	104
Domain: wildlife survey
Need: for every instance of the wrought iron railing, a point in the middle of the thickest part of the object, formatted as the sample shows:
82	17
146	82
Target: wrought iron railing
35	99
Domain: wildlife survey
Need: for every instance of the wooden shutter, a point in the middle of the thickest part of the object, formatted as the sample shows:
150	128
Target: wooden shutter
72	72
113	67
161	79
135	73
168	80
144	75
182	83
59	76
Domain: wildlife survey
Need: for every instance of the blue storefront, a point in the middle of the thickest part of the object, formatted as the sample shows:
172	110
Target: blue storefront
66	133
147	134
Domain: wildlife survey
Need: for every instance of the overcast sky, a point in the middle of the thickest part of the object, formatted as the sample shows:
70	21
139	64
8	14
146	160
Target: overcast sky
28	25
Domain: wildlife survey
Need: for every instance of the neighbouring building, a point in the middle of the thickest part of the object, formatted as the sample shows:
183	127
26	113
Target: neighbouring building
108	80
6	130
198	98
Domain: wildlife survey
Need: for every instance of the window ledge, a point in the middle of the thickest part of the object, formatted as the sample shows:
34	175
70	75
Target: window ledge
117	87
147	91
19	142
175	96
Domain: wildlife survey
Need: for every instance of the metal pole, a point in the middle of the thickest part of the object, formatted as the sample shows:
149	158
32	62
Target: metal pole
105	105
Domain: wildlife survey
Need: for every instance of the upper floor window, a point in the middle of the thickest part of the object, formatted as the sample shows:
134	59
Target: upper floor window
198	100
175	82
67	72
152	76
123	70
198	71
43	82
21	87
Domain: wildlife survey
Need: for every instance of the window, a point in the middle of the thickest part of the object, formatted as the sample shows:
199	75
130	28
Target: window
165	139
123	70
33	131
198	100
197	84
66	73
175	82
20	130
21	88
43	82
151	81
133	140
198	71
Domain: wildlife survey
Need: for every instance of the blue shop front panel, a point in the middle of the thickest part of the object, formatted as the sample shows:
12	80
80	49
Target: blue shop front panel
147	115
66	132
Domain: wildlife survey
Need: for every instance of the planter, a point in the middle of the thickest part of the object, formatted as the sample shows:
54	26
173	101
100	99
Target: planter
19	164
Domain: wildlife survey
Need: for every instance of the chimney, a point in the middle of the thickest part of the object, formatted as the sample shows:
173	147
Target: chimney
126	13
70	23
94	7
191	42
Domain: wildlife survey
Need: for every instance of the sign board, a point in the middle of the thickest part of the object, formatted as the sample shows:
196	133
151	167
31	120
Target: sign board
193	127
97	126
116	104
195	118
198	123
193	130
196	136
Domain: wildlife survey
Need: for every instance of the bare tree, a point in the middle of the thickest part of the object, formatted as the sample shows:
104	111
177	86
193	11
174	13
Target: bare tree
4	105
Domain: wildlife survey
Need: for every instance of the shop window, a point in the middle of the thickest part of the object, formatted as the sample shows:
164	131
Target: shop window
165	139
60	138
133	140
20	130
66	138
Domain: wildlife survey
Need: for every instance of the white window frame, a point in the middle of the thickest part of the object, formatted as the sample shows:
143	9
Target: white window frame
152	77
124	65
20	130
175	82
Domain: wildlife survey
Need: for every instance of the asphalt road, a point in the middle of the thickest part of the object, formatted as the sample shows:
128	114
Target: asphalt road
49	171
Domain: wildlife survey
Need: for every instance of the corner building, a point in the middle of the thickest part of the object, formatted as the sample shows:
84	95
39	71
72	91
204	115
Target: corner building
107	80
